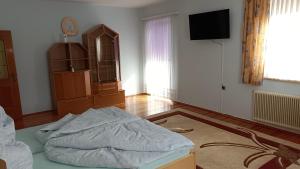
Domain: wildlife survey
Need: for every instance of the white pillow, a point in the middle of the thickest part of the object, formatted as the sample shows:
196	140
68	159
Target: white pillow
17	156
7	128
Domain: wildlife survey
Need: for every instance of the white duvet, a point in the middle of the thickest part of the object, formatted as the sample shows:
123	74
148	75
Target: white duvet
16	154
109	138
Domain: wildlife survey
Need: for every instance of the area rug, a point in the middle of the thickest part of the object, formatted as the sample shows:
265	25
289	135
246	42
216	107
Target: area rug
221	145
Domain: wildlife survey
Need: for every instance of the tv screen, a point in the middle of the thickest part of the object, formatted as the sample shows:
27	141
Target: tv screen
210	25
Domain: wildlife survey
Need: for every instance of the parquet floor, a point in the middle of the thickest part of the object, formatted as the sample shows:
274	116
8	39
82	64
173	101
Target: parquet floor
144	105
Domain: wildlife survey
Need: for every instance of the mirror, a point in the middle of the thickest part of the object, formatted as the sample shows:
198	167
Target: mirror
98	54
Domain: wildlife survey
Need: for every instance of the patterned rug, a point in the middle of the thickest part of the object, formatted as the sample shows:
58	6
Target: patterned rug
221	145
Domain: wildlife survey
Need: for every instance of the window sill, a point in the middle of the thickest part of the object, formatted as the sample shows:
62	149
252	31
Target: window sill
280	80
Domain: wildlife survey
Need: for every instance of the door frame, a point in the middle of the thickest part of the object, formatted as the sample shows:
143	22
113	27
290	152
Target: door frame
12	80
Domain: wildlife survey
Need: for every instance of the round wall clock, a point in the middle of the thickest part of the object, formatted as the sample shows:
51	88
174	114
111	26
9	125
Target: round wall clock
69	26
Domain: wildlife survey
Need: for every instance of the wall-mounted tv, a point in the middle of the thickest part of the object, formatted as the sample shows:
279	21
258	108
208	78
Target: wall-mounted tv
210	25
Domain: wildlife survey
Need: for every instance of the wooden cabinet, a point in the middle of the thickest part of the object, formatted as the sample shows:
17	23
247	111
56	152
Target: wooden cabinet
102	44
2	164
79	81
70	77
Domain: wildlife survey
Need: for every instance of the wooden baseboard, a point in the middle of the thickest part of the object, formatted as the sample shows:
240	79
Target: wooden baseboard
219	113
36	113
257	124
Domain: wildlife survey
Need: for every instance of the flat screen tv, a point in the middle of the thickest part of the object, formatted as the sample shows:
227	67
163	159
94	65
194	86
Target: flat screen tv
210	25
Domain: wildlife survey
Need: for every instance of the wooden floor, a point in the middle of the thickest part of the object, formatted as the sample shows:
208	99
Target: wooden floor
140	105
144	105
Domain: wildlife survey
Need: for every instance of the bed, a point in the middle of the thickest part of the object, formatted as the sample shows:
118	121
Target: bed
183	158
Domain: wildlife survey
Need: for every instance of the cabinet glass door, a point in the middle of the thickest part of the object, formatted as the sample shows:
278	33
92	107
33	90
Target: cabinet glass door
3	62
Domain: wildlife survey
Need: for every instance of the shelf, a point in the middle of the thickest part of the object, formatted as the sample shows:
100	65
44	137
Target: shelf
60	60
107	60
64	71
68	43
80	59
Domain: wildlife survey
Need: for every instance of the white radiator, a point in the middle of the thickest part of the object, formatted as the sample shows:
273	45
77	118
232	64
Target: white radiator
277	109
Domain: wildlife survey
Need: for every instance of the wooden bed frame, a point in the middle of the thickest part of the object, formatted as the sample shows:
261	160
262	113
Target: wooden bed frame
2	164
187	162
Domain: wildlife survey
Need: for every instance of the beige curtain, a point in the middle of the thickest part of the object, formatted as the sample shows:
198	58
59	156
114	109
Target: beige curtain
256	19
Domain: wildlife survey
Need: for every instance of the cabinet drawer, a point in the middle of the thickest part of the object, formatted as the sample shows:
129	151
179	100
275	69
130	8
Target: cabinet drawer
105	88
109	99
75	106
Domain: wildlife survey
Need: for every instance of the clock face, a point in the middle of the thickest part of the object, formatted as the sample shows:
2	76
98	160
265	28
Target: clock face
69	26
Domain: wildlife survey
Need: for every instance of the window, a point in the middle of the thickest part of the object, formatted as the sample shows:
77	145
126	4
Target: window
159	66
282	58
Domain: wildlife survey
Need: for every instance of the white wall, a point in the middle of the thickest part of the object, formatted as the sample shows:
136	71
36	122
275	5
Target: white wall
35	26
199	71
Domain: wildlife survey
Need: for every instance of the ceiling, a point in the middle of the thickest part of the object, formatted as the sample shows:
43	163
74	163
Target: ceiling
119	3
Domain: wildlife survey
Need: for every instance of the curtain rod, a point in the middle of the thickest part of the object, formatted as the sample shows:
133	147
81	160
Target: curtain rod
160	16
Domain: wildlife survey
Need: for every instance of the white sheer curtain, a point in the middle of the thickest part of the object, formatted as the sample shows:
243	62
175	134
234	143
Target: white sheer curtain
159	60
282	59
